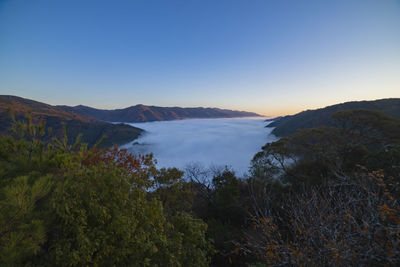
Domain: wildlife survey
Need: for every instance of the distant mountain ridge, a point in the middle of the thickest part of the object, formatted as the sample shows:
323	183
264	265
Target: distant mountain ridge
143	113
287	125
91	128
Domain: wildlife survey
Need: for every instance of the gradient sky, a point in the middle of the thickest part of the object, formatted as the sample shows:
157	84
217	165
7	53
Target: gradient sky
272	57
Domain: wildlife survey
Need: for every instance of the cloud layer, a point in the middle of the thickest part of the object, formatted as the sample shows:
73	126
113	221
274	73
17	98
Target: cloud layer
231	142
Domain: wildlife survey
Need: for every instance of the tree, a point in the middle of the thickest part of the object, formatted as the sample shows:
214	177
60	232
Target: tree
328	195
65	205
354	222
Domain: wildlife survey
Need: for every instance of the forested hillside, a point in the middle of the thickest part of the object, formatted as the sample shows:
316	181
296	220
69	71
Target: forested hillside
91	128
322	117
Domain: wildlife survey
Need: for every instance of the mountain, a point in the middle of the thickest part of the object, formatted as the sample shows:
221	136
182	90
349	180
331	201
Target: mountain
91	128
142	113
287	125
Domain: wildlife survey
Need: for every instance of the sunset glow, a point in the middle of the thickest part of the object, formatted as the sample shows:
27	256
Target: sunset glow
270	57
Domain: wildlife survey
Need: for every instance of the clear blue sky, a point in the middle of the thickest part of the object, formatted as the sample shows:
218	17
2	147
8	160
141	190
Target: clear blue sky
273	57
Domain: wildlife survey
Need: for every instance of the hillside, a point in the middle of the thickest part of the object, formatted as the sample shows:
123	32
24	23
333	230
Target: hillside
91	128
322	117
142	113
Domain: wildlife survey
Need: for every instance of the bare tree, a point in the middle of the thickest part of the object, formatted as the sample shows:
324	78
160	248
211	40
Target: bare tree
352	222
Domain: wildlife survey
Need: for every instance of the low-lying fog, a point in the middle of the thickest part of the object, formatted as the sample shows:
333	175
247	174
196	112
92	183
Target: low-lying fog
208	142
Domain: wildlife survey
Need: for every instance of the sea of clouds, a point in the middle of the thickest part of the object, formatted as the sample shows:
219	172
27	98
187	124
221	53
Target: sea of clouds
208	142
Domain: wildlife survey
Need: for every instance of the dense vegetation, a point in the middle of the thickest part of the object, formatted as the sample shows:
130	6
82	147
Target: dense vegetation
287	125
331	194
326	196
64	205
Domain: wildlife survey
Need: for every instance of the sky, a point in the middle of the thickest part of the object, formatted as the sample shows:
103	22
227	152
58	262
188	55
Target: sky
271	57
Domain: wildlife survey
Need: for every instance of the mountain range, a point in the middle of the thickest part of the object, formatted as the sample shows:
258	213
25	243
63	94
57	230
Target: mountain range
143	113
287	125
94	123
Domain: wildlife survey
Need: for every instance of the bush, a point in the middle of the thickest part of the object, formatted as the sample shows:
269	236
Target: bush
64	205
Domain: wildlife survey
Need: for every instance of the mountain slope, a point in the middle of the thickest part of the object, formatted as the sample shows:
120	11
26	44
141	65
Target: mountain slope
142	113
322	117
91	128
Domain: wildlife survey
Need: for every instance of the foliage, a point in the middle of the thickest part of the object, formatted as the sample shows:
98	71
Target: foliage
322	196
328	195
317	155
65	205
220	203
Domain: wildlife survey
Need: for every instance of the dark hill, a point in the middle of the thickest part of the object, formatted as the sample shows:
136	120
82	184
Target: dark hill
142	113
322	117
91	128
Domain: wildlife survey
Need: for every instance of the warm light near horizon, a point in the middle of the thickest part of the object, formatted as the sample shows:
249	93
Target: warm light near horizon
269	57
